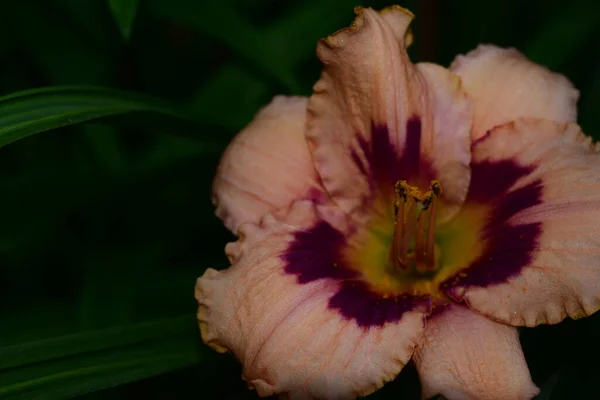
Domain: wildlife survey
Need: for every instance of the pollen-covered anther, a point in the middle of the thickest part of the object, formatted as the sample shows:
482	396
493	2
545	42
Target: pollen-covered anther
413	244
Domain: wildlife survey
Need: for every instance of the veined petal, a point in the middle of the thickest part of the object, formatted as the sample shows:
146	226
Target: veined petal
267	165
375	118
450	118
464	356
541	261
504	85
301	324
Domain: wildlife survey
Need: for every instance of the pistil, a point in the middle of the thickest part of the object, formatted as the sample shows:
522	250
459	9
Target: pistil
413	243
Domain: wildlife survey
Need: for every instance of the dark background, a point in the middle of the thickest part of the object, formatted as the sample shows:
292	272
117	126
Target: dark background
106	225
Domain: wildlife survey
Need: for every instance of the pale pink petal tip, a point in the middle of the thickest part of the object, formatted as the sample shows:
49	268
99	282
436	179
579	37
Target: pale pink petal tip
465	356
375	118
504	85
266	166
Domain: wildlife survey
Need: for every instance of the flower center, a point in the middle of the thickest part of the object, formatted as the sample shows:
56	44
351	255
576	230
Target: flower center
413	244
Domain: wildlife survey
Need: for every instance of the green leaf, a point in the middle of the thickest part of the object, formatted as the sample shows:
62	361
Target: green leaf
29	112
124	14
324	17
548	387
91	20
559	38
62	53
106	145
221	21
220	99
74	364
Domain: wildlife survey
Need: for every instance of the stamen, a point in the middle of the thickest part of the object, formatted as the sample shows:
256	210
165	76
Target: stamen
399	250
414	219
425	240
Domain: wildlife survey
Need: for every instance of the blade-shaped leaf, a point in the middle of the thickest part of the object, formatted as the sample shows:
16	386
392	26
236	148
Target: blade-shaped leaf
548	387
324	17
124	14
63	54
33	111
561	36
219	100
62	367
237	33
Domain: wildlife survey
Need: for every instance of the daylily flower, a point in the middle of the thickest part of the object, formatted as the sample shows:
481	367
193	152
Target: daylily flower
404	212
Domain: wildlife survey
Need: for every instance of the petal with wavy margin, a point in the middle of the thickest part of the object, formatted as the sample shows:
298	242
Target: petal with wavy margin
375	118
504	85
289	337
267	165
464	355
558	274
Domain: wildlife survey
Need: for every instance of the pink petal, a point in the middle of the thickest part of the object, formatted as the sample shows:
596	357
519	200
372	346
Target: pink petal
375	118
504	85
466	356
556	275
267	166
450	116
283	323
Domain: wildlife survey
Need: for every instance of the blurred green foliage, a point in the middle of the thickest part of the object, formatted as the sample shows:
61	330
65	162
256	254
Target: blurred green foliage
107	219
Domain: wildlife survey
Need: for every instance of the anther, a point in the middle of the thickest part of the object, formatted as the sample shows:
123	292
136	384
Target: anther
414	227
